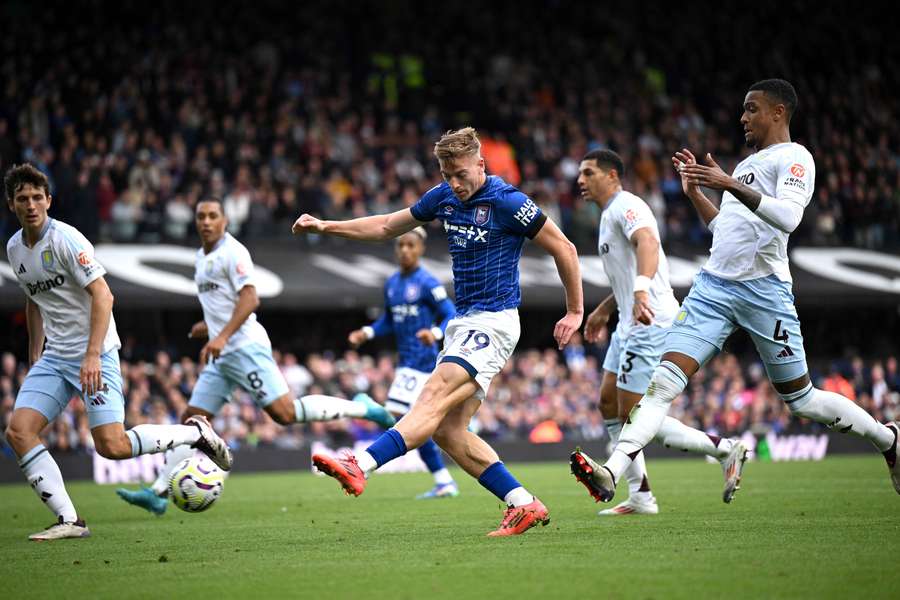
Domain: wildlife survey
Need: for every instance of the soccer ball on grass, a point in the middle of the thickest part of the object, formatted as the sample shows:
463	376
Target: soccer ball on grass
195	484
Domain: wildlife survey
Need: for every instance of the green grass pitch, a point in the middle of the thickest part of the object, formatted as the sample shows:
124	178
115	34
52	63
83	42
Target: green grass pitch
812	530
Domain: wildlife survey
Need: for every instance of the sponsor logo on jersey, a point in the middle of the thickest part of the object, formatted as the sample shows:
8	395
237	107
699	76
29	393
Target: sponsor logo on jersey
747	178
47	258
526	213
46	285
84	259
209	267
797	170
604	249
482	214
207	286
21	269
411	293
401	311
448	210
476	234
630	216
795	182
241	269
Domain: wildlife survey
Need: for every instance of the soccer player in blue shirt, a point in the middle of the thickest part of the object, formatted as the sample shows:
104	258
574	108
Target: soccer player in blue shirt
486	221
416	313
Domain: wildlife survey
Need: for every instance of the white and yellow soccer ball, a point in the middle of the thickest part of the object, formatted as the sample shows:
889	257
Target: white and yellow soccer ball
196	483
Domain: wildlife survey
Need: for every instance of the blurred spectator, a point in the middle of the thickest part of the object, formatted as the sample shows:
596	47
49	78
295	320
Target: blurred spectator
299	123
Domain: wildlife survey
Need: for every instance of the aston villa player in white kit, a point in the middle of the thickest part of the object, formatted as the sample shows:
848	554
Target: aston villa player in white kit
239	353
68	304
746	283
638	272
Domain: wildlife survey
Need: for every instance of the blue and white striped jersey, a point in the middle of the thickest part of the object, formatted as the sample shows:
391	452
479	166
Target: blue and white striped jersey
485	234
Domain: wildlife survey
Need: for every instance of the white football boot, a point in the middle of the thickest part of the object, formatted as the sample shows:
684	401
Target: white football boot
61	530
732	468
211	444
632	506
894	467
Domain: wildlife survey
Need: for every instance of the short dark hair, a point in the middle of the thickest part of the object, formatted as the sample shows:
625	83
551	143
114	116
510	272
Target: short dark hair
779	90
606	160
215	199
21	175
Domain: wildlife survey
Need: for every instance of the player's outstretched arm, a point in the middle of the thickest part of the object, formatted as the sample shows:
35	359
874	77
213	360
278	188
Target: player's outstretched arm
554	241
374	228
34	322
101	312
247	302
703	205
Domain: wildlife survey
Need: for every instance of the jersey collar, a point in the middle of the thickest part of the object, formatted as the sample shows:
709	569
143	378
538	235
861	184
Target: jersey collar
218	244
40	236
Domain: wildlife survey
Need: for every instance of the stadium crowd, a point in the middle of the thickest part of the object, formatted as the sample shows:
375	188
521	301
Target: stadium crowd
541	395
281	111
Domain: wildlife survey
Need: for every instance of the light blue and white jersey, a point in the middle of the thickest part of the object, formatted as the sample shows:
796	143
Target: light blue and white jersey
486	234
53	275
220	276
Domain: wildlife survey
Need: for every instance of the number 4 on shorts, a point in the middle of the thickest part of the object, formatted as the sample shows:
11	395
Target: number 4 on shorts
780	335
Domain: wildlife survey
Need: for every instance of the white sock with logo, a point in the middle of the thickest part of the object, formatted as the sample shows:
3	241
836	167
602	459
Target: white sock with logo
46	480
647	416
636	473
150	439
839	413
675	434
318	407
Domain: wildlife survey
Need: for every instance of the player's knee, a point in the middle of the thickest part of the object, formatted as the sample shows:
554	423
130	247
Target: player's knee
798	400
667	382
18	438
113	447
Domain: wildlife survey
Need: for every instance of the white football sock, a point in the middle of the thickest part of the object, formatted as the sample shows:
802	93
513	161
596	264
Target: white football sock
46	480
675	434
366	463
442	476
518	497
840	414
317	407
173	457
636	473
647	416
150	439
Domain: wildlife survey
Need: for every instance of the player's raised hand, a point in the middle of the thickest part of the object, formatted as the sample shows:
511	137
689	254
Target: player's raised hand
641	310
308	224
595	323
357	338
90	374
426	336
709	175
565	327
682	158
212	349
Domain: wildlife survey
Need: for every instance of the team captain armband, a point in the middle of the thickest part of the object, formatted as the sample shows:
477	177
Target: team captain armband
536	226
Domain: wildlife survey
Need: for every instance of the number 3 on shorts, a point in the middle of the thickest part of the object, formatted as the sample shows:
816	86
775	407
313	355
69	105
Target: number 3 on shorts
481	340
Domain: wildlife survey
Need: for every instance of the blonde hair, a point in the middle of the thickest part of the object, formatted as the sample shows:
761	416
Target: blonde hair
455	144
